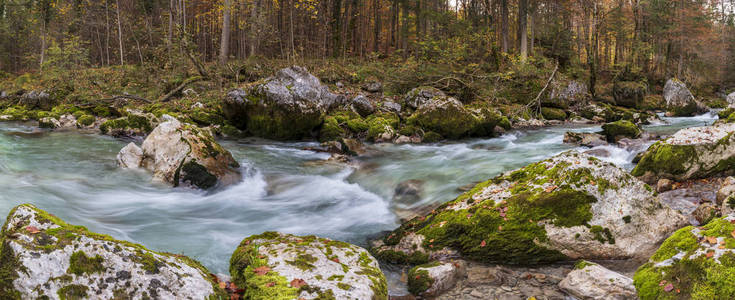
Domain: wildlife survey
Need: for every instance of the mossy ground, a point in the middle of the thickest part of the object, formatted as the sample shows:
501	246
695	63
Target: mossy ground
695	276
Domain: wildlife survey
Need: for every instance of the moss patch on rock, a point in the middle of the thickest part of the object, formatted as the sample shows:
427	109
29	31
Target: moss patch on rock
694	263
553	113
619	129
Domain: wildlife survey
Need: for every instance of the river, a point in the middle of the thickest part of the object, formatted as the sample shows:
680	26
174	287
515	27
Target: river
74	176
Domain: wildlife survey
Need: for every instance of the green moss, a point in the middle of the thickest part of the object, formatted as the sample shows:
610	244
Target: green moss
504	123
450	120
693	277
725	113
344	286
432	137
132	121
331	131
16	113
303	261
553	113
379	124
581	264
419	280
622	128
397	257
197	175
10	267
626	219
86	120
357	125
602	234
80	264
271	285
662	158
73	292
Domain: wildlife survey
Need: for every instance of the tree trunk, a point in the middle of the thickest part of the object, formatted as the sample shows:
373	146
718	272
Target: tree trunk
336	28
522	30
43	43
224	48
376	37
504	24
119	31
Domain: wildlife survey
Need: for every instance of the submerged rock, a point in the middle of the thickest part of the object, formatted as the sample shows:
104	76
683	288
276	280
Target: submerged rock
569	206
180	153
41	256
282	266
289	105
433	279
679	100
408	192
694	263
587	139
690	153
592	281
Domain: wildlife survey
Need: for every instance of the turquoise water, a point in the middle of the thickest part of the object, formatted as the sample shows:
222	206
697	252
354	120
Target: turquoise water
73	175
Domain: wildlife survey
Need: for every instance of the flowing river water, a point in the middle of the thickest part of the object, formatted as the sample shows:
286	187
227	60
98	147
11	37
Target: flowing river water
284	188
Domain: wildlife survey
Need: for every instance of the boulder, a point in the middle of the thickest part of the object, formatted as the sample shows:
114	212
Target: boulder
363	106
421	95
283	266
49	122
553	113
43	257
731	100
373	87
567	207
620	129
353	146
591	281
705	212
183	154
433	279
565	95
391	106
135	124
629	93
449	118
725	196
664	185
691	153
679	100
694	263
37	100
586	139
130	156
288	105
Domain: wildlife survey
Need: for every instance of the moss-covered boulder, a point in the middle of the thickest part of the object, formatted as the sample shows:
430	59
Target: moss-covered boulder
694	263
182	154
566	93
679	100
288	105
134	124
629	93
690	153
621	129
592	281
450	118
550	113
37	99
421	95
569	206
43	257
282	266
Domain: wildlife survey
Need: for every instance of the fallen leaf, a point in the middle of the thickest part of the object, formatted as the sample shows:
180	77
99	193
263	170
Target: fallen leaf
262	270
298	283
662	283
733	232
712	240
669	287
500	228
335	260
482	244
551	188
222	284
431	240
234	296
270	284
441	224
32	229
710	254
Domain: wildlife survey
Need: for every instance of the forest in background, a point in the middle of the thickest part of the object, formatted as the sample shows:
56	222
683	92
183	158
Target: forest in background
693	40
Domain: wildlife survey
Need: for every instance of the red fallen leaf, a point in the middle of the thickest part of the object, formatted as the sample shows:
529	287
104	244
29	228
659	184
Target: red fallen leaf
502	214
669	287
483	243
233	286
234	296
32	229
418	276
710	254
500	228
270	284
662	283
262	270
732	221
335	260
247	242
298	283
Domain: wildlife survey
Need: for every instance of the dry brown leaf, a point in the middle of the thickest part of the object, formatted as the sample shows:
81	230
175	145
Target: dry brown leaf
712	240
32	229
298	283
270	284
262	270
